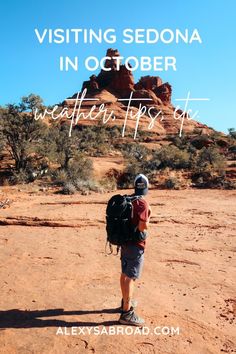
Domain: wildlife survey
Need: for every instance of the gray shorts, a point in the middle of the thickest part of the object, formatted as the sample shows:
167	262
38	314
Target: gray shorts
132	258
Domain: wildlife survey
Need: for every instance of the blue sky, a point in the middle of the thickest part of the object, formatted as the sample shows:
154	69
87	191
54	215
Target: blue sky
206	70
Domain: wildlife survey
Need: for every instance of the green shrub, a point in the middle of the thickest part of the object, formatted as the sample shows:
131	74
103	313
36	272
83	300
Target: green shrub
210	159
2	141
97	140
136	156
132	169
171	156
172	183
232	133
135	152
88	185
81	186
19	177
108	184
80	167
59	177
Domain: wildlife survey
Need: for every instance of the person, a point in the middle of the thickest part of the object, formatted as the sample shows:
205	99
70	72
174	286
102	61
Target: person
132	253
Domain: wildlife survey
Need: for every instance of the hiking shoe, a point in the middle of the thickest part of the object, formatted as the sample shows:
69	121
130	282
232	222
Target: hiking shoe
130	318
133	303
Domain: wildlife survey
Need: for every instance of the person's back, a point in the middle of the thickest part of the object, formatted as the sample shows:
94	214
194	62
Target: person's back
132	253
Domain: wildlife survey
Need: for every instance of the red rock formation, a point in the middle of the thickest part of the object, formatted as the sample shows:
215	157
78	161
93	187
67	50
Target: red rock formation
108	86
112	63
154	100
148	83
164	92
121	81
91	85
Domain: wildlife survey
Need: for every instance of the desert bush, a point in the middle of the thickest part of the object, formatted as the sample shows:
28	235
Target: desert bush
140	159
210	159
2	137
88	185
136	156
80	167
126	180
59	176
172	183
229	184
231	152
34	170
19	177
213	181
97	140
232	149
61	147
114	132
204	140
132	168
68	188
232	133
209	169
83	186
77	174
197	131
108	184
2	145
180	142
135	151
171	156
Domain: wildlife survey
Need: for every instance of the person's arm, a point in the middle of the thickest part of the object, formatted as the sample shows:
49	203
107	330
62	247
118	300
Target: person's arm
143	225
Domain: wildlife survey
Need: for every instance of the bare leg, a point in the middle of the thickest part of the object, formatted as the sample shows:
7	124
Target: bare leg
127	289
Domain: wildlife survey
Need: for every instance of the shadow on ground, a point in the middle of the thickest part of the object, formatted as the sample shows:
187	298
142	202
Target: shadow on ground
16	318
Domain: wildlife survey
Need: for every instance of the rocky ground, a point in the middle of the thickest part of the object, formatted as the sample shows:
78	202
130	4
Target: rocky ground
55	273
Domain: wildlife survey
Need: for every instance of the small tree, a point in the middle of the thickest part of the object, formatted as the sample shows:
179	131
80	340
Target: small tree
58	146
65	150
21	131
66	147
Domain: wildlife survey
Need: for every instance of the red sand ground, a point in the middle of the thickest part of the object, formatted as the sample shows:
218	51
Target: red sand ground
60	276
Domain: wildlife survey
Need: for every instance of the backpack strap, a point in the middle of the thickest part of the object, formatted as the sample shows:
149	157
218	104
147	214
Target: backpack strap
111	249
132	198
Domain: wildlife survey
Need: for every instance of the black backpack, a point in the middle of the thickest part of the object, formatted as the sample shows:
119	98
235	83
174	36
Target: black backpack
118	220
